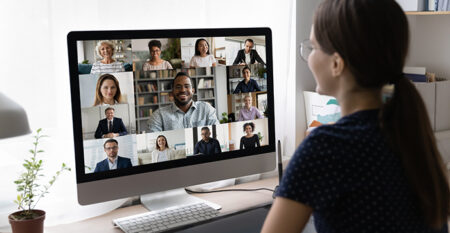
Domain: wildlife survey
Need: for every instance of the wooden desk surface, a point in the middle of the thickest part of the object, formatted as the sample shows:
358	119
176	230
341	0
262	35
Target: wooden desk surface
230	202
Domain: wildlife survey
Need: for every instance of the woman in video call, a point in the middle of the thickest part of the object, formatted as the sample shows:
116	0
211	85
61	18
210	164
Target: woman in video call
249	112
155	63
377	169
162	152
248	84
105	49
107	91
202	58
250	140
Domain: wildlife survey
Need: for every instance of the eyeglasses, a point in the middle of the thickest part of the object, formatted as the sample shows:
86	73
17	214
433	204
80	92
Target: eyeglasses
180	87
112	148
305	50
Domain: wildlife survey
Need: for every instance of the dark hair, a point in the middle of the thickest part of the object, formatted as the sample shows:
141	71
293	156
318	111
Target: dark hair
159	136
109	108
246	68
251	124
109	141
180	74
154	43
249	40
205	128
98	94
372	37
197	52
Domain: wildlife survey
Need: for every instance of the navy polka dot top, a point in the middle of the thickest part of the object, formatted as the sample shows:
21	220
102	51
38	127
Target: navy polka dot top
350	177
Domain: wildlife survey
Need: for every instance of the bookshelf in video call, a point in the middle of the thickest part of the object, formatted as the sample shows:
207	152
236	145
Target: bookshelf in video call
153	90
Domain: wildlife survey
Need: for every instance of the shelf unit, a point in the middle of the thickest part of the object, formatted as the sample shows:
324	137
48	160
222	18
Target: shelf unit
427	12
153	89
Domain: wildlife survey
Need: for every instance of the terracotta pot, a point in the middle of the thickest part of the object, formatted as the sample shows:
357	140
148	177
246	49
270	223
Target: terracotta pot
35	225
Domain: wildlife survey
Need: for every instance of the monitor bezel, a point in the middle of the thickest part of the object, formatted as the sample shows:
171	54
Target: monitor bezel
75	36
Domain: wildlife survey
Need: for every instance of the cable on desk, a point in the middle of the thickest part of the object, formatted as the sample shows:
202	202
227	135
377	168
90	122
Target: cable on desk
229	190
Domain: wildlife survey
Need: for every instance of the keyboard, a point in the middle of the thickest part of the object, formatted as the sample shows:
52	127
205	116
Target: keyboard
166	219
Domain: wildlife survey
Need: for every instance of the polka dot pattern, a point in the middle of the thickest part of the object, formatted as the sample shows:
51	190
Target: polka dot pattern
351	178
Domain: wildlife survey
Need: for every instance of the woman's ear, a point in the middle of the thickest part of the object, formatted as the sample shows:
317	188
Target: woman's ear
338	65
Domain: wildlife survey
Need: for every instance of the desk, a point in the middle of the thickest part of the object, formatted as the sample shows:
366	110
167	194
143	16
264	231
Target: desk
230	202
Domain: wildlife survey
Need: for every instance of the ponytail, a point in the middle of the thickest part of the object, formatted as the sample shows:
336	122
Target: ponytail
406	124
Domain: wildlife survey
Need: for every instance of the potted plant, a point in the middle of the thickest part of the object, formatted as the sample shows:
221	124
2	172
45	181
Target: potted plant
224	118
28	219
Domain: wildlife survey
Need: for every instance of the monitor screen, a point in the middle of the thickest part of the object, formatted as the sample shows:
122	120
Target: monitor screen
160	100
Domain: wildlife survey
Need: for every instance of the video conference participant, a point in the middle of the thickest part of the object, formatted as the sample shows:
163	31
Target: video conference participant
184	112
202	58
248	84
248	55
162	152
105	49
208	145
155	63
250	140
249	112
113	161
110	126
107	91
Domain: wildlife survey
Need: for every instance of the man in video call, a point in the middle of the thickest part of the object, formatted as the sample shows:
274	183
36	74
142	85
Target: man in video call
248	55
113	161
207	145
110	126
184	112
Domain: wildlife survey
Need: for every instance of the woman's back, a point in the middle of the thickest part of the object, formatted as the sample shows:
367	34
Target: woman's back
351	178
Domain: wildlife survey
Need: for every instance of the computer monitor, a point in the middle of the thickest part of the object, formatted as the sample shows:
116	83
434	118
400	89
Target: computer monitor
155	110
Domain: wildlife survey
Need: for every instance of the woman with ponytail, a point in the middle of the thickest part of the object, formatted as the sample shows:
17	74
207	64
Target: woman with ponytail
377	169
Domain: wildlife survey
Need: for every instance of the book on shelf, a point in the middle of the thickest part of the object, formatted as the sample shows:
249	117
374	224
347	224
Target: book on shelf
413	5
165	98
200	83
148	87
141	100
414	70
442	5
145	112
418	78
415	74
419	74
208	83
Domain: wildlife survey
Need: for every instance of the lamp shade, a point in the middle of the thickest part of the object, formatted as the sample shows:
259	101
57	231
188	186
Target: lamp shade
13	118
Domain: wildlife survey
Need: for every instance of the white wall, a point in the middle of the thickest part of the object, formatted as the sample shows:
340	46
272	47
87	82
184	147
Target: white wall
304	80
429	43
142	45
221	90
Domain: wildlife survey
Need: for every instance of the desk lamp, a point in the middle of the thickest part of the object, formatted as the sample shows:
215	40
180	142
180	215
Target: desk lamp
13	118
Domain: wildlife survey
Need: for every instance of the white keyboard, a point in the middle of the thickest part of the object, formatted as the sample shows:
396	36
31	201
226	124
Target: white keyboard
166	219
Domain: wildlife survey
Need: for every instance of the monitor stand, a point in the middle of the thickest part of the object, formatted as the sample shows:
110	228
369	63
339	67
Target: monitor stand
172	198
